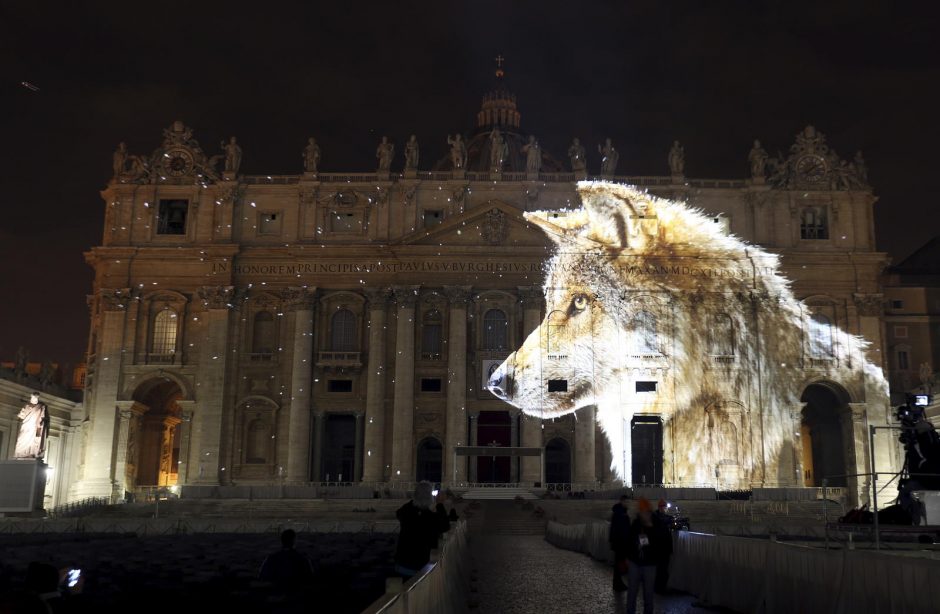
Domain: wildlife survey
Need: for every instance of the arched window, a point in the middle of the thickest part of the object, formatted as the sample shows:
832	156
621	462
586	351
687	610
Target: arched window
556	333
721	335
343	331
431	335
258	440
262	338
165	325
814	223
495	330
646	340
820	338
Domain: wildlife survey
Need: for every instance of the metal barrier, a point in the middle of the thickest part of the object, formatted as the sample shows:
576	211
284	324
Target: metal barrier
439	588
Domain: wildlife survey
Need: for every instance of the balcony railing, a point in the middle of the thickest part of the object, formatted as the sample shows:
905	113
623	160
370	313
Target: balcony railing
723	359
339	359
161	358
261	356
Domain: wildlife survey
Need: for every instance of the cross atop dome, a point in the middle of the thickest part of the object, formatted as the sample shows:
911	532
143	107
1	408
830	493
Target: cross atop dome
499	66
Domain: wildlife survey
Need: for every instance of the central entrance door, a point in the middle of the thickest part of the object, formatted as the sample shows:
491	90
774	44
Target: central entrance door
494	428
339	450
647	446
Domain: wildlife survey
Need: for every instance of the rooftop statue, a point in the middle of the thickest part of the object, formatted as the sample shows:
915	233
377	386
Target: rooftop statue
577	156
311	156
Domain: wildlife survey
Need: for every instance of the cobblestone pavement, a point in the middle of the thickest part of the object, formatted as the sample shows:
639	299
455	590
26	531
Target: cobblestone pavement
524	574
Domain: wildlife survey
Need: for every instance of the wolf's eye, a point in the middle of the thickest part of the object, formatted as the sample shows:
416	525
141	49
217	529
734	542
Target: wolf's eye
579	302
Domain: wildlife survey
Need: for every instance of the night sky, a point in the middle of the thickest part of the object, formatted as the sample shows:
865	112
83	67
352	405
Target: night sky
714	75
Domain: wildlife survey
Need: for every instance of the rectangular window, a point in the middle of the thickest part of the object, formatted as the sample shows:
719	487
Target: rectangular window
900	332
558	385
342	221
814	223
897	304
171	216
269	223
902	360
339	385
433	218
430	384
431	341
646	386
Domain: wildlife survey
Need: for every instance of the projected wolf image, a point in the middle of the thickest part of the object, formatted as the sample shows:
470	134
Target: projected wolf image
654	310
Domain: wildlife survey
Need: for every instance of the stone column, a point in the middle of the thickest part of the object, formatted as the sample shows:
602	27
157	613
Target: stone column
514	441
374	442
211	384
170	423
98	476
300	303
128	411
796	426
357	459
855	437
870	311
456	410
403	428
531	426
474	423
186	429
584	460
318	427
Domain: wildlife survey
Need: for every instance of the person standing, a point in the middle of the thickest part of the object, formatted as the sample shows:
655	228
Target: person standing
422	523
644	548
662	521
287	569
619	534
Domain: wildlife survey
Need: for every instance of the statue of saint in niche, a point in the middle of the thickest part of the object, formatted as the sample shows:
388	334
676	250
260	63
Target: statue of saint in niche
34	428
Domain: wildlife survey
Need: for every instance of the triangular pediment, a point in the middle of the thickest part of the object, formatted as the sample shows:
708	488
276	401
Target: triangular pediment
493	223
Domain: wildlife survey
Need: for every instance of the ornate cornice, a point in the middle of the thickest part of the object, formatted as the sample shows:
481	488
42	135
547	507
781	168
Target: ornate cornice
458	295
531	297
378	297
115	299
871	305
217	297
299	298
406	296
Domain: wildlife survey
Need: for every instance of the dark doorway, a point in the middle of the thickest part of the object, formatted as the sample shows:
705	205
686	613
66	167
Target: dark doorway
339	448
153	435
558	461
430	460
647	445
822	439
494	428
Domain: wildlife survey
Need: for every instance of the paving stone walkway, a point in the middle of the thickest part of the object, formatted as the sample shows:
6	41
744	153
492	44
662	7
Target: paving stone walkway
524	574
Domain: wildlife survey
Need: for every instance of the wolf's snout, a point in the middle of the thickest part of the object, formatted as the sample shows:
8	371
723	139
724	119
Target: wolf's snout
500	381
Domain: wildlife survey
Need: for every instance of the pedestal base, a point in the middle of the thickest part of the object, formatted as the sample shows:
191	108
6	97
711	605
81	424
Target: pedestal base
22	485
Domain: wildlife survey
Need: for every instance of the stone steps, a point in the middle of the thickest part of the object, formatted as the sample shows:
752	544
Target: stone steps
498	494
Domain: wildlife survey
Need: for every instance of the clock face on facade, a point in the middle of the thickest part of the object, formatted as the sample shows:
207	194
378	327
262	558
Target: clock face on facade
811	169
178	162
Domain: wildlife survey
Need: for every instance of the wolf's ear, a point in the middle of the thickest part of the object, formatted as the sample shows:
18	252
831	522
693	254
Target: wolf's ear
618	215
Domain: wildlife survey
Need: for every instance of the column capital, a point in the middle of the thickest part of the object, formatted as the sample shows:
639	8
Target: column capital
217	297
115	299
406	296
299	298
869	304
531	297
859	410
458	295
378	297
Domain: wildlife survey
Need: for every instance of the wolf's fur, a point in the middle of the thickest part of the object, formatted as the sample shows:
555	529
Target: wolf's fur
625	253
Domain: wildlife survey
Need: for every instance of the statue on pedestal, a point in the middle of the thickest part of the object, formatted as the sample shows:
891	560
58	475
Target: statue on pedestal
384	153
861	168
677	159
757	158
47	374
577	156
119	160
609	158
533	156
34	428
311	156
411	153
20	362
233	156
458	151
498	151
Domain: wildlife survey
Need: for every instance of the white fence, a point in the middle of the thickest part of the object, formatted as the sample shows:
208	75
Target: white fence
441	587
768	577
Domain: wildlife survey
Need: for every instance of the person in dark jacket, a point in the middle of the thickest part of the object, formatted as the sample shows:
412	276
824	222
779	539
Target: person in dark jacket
287	569
644	550
619	532
662	520
422	523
